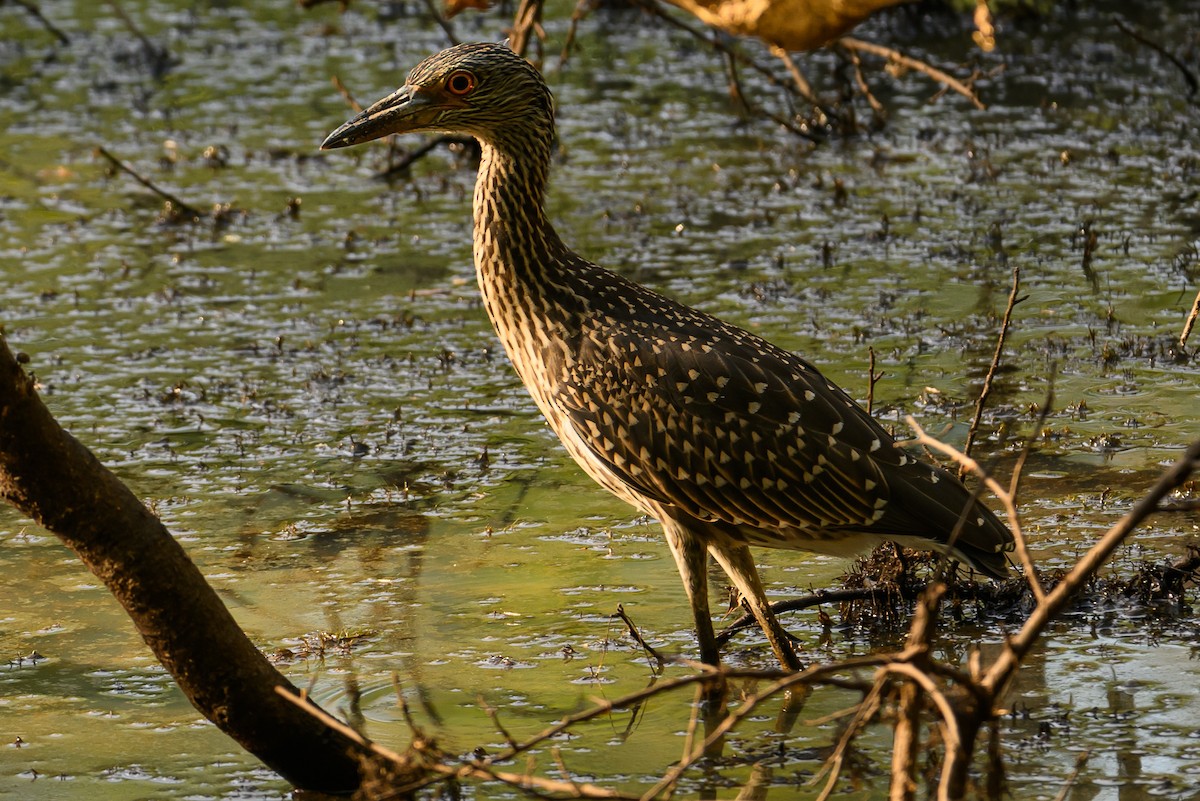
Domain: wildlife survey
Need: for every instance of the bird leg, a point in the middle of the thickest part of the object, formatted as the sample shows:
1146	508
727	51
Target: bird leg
691	557
738	564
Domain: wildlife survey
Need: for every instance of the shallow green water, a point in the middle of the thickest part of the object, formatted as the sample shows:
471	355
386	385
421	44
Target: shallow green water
227	373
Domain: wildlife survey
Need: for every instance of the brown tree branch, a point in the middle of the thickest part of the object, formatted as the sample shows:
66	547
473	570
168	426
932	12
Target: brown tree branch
896	57
48	475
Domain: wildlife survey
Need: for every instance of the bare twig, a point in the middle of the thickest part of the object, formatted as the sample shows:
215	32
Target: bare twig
495	718
865	88
1080	761
345	93
905	743
1013	300
999	491
442	22
582	9
125	167
862	715
36	13
689	739
804	602
872	378
1189	322
476	769
656	9
633	632
404	710
528	18
896	57
803	87
1188	76
1001	671
413	156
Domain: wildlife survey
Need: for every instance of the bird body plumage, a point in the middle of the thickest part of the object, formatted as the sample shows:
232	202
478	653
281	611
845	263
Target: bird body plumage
727	439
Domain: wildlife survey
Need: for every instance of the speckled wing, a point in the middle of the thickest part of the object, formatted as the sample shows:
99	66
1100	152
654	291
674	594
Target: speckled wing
722	425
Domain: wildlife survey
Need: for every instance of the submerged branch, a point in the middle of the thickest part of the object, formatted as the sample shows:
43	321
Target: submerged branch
1188	75
37	14
188	209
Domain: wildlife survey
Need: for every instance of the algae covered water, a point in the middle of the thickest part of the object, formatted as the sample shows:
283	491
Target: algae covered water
305	388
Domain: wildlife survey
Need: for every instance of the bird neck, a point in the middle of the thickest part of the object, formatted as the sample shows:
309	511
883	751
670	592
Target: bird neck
513	237
526	274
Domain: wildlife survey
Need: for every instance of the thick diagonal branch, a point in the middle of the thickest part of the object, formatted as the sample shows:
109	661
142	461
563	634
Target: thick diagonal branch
47	474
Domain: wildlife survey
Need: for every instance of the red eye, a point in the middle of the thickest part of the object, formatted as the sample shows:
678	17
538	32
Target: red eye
460	83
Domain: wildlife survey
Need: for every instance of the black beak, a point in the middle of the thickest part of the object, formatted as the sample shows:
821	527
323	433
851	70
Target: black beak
397	113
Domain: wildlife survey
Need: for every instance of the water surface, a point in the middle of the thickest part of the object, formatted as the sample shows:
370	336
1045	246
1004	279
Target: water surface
307	398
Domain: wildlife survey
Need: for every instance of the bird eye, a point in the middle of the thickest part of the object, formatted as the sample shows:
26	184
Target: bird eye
460	83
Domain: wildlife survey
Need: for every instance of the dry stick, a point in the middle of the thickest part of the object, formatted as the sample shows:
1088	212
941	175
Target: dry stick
472	770
951	734
603	707
36	13
735	85
528	17
1189	322
582	9
865	88
1006	497
657	10
1013	300
833	765
748	620
1193	85
872	378
995	680
803	87
784	680
1080	761
689	739
404	710
905	732
495	717
816	674
421	152
556	752
905	743
633	631
187	208
442	22
749	704
998	675
895	56
735	89
345	93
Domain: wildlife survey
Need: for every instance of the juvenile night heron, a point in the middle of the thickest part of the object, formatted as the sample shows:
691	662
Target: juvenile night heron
726	439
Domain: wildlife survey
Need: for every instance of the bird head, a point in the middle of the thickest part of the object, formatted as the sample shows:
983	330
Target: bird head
485	90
